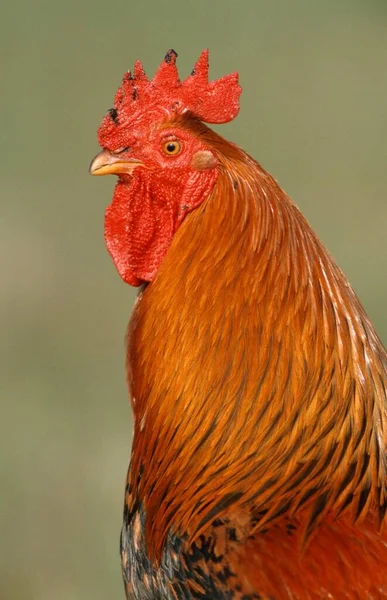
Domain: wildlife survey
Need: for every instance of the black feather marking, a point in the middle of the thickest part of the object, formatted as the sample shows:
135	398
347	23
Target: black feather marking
207	434
217	523
382	513
307	496
290	528
113	112
282	509
360	434
346	503
362	500
198	572
269	483
347	479
346	442
318	507
169	54
366	462
221	505
328	458
225	574
304	472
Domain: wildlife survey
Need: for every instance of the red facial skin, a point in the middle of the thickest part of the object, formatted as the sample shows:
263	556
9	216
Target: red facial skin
149	205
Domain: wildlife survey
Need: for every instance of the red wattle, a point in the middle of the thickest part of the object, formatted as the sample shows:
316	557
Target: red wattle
144	214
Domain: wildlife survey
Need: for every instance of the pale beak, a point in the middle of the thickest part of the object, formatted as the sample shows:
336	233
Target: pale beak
108	163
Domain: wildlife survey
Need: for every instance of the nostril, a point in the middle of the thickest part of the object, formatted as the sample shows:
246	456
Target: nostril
121	150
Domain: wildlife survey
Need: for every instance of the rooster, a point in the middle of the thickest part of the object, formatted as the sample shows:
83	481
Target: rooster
258	383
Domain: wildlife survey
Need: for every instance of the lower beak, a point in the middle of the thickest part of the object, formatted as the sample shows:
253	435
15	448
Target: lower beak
107	163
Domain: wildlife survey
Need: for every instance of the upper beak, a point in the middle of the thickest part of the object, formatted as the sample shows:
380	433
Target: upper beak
108	163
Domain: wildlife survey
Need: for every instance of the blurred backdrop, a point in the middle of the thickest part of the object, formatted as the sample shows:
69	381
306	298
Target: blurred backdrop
313	113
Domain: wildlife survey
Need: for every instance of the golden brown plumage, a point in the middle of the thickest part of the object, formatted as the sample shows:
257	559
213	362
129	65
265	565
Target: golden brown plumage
259	391
256	376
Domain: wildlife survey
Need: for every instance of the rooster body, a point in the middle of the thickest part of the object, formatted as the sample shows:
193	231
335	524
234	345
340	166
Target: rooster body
258	383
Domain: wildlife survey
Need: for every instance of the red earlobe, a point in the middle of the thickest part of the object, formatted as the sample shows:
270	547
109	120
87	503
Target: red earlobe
203	159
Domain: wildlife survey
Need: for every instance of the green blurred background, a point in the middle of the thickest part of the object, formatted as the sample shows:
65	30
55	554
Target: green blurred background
314	75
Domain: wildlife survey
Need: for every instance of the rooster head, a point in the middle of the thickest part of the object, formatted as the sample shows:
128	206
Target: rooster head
154	140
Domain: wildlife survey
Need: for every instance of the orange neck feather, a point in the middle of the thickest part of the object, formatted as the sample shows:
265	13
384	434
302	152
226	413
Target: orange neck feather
257	379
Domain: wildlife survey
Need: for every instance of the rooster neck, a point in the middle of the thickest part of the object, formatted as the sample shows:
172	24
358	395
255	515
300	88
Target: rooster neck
257	379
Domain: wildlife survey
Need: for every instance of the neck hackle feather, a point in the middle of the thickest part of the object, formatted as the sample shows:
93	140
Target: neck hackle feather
271	367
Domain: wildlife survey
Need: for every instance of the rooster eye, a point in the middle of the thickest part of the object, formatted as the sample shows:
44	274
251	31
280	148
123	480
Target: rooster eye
172	147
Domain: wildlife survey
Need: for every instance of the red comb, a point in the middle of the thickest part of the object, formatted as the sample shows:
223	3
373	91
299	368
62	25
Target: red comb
213	102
